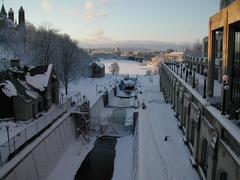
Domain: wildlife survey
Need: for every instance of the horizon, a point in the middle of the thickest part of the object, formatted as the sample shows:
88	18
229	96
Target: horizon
110	23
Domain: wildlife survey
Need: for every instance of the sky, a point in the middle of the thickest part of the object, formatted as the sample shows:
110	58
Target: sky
108	21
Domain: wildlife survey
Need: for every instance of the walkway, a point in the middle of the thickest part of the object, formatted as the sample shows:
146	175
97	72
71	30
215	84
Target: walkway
159	159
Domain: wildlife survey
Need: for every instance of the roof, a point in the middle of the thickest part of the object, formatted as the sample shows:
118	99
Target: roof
26	82
10	10
11	86
3	11
99	64
8	88
38	77
21	9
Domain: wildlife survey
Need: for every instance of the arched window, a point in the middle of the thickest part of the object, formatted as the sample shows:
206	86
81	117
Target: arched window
204	157
223	176
192	133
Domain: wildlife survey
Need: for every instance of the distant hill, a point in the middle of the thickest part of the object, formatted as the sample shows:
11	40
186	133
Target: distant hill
138	45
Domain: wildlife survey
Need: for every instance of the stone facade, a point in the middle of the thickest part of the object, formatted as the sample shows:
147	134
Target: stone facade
212	139
226	21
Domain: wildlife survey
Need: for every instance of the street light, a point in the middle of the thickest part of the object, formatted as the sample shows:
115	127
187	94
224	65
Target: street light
181	69
194	74
186	78
205	83
7	127
225	88
190	76
177	68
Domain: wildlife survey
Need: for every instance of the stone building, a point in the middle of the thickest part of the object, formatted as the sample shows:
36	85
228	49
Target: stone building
97	70
26	92
212	137
226	21
7	19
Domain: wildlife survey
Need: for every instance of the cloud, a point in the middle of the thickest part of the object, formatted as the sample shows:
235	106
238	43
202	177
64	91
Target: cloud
89	5
102	14
92	16
96	37
103	2
47	5
88	16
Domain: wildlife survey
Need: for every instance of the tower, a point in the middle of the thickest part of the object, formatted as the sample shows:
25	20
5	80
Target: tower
21	16
11	14
3	12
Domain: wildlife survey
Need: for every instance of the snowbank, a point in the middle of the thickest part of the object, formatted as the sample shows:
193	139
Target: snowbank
8	88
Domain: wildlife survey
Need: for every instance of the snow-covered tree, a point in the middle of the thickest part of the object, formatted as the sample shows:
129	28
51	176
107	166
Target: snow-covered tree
114	68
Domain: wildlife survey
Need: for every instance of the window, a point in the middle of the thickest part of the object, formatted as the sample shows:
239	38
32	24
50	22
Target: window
204	157
192	132
236	69
223	176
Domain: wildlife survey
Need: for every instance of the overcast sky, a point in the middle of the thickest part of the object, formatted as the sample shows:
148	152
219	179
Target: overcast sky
99	21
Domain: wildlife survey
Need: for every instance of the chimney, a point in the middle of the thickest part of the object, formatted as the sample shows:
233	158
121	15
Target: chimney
15	63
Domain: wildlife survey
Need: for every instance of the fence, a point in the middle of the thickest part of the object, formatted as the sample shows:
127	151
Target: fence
16	143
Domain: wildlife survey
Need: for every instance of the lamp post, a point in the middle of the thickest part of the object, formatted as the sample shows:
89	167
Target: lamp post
177	68
205	83
7	127
174	66
181	69
190	76
194	74
225	88
186	78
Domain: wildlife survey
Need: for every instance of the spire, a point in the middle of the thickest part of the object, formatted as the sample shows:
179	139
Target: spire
3	11
21	9
10	10
21	16
11	14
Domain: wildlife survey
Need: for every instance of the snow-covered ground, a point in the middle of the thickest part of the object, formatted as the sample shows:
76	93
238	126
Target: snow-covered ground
127	67
123	160
159	159
71	160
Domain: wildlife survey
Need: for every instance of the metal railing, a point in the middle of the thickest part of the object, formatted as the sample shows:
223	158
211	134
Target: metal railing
17	142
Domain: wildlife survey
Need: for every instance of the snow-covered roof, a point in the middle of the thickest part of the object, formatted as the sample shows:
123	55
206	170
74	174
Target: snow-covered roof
129	83
8	88
101	65
39	81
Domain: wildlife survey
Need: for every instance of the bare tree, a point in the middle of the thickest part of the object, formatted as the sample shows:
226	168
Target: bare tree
68	49
196	49
114	68
45	44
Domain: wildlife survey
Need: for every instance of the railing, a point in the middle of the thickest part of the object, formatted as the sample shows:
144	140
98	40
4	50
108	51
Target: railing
234	146
19	141
228	134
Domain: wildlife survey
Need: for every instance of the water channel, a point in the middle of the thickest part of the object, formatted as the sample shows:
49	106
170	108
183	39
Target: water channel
99	163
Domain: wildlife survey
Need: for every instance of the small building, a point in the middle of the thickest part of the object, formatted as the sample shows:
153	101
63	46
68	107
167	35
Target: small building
26	92
97	70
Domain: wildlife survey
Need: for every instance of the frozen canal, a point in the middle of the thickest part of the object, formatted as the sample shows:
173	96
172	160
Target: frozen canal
113	158
98	165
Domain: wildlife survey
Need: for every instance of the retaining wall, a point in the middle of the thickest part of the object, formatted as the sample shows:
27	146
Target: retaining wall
39	158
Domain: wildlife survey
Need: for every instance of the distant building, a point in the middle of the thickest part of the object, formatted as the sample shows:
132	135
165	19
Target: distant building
7	20
97	70
25	92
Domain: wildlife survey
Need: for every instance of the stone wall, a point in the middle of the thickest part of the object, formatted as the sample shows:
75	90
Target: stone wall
42	155
200	122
